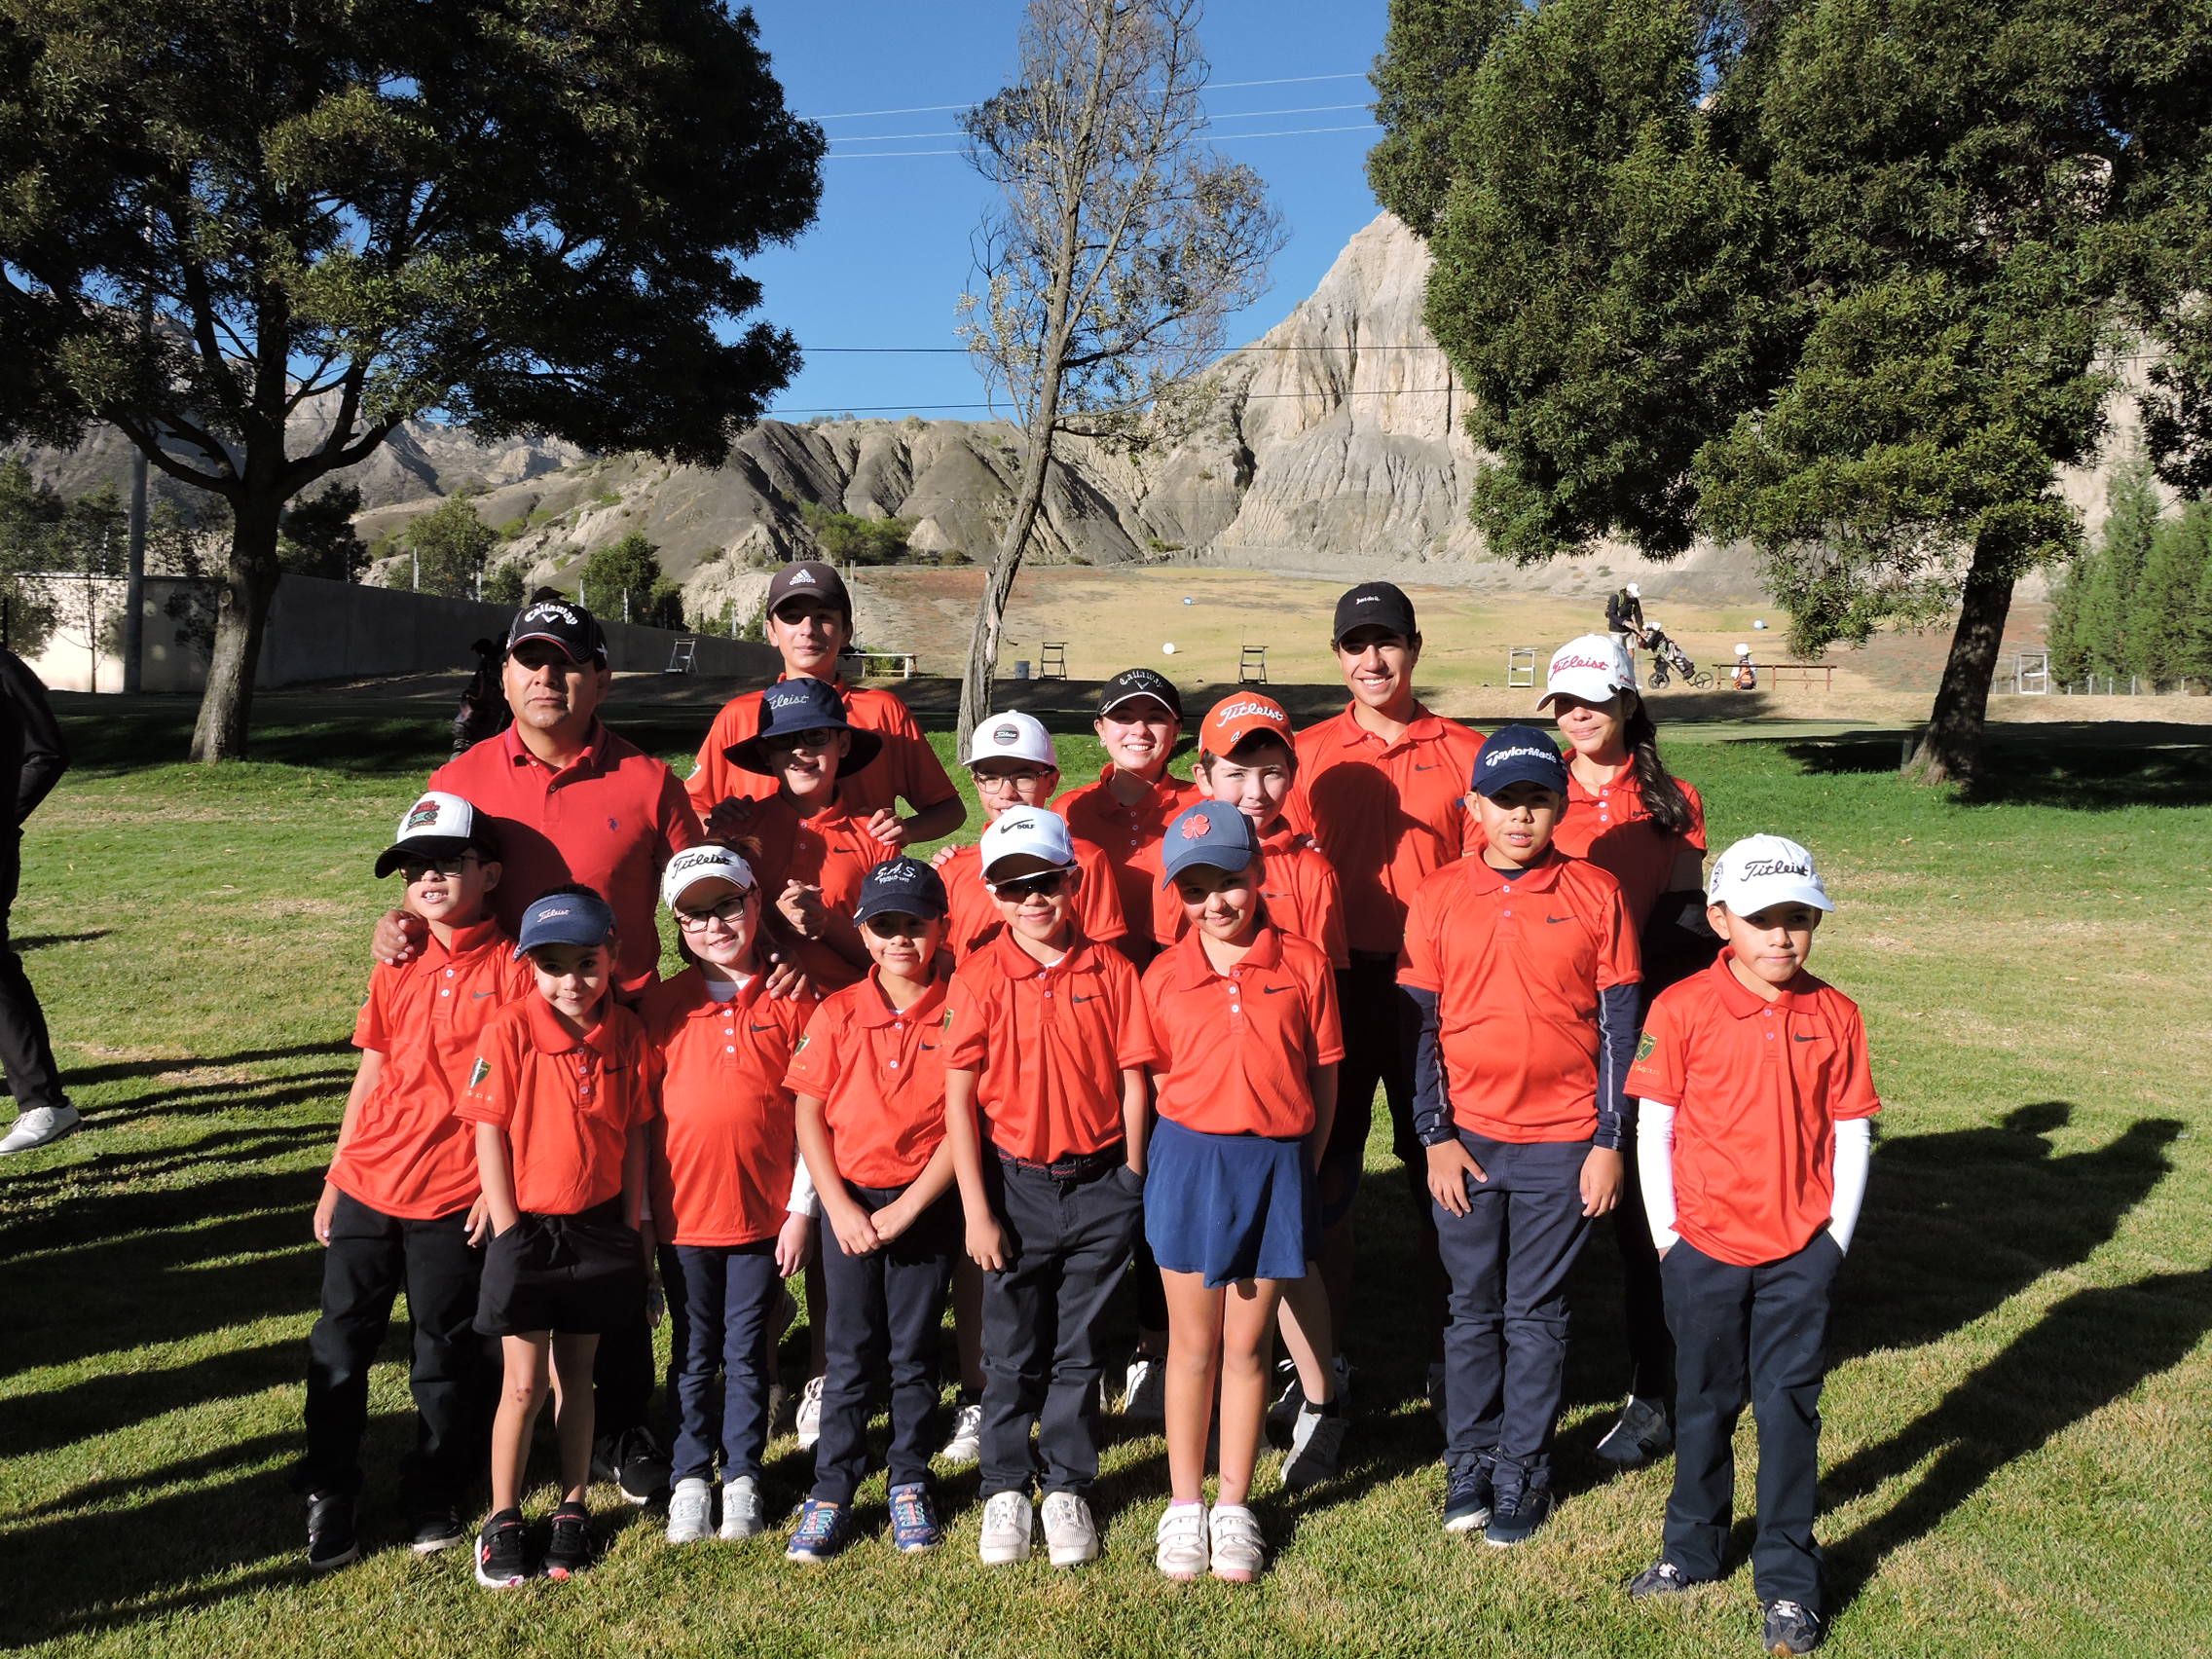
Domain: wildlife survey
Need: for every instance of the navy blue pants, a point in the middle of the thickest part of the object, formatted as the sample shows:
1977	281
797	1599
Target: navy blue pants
883	1317
1759	1334
720	1300
1066	1243
1505	1347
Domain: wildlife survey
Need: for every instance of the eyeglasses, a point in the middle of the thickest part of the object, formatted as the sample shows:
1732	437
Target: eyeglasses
727	913
1044	885
818	737
437	870
1003	783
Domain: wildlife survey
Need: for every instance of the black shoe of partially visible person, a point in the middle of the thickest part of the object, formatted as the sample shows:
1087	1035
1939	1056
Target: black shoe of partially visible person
500	1564
435	1530
1791	1628
635	1462
1515	1515
570	1551
1660	1579
331	1541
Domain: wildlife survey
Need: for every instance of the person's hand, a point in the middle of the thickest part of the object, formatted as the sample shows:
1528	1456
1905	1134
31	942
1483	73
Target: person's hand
400	936
887	827
325	1207
943	856
894	1218
986	1244
800	905
1601	1173
786	978
479	1223
656	1300
795	1243
856	1229
729	817
1451	1166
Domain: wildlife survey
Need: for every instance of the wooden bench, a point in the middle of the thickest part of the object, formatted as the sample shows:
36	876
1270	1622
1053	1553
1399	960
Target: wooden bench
882	662
1252	666
1052	659
1805	672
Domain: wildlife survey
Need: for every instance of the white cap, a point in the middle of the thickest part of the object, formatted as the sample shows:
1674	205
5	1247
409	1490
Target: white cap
1013	737
1634	592
438	825
1591	668
1028	832
708	863
1766	869
1743	649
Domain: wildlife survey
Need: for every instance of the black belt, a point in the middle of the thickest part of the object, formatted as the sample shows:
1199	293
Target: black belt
1076	1166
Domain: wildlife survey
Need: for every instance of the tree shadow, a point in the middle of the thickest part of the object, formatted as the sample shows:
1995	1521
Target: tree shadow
2084	767
42	942
119	1070
111	1401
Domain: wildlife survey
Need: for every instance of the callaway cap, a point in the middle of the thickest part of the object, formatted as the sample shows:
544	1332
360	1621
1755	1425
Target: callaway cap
1013	737
705	863
566	623
1516	755
1240	716
901	887
1766	869
1374	605
1590	669
1028	833
809	579
439	826
1212	832
803	705
1134	683
564	918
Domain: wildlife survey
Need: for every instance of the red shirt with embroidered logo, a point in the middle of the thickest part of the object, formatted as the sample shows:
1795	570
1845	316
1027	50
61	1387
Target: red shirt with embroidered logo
1129	837
1300	886
830	849
879	1074
1614	831
567	1103
1236	1046
974	915
907	766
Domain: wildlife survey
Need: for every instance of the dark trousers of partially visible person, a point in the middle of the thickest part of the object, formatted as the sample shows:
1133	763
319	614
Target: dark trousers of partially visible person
1759	1334
25	1051
1643	1306
1068	1231
1380	1027
885	1309
370	1259
1505	1346
622	1380
720	1298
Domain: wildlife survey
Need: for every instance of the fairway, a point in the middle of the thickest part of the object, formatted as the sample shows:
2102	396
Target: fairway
2017	1459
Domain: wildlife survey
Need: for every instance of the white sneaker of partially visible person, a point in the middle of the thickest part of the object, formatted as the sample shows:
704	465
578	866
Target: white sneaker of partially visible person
41	1125
1007	1530
690	1511
965	1445
806	1421
1071	1535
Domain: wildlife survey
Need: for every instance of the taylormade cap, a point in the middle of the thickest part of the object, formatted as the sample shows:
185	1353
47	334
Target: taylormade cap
566	623
1013	737
1766	869
1519	755
793	706
809	579
901	887
439	826
1588	668
1212	832
564	918
1026	832
1374	605
1240	716
1134	683
706	863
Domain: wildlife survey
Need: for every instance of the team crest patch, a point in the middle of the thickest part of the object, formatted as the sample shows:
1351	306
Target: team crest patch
1644	1047
799	1048
1193	828
481	1070
422	812
948	1019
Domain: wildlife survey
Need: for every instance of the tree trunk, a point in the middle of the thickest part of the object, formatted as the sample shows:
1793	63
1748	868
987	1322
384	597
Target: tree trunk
990	614
249	583
1950	749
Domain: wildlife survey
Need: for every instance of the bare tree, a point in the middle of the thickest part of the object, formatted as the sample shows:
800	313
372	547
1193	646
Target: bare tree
1121	247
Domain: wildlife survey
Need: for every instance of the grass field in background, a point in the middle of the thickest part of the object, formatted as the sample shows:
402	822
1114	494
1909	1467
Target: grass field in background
2016	1454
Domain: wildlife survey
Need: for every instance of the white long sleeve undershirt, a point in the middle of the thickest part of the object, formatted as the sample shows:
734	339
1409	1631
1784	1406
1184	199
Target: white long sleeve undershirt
1655	1173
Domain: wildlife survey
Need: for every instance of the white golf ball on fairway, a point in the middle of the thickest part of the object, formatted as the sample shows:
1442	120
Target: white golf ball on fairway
1168	649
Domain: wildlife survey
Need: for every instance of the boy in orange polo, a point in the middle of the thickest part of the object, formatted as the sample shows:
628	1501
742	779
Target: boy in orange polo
401	1206
1127	811
1046	1035
1754	1129
560	1095
1522	964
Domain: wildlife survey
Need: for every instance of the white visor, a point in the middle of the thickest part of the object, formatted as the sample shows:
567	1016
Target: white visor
696	864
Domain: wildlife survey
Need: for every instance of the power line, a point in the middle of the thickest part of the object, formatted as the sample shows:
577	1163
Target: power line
1226	137
962	350
1249	397
933	109
1233	114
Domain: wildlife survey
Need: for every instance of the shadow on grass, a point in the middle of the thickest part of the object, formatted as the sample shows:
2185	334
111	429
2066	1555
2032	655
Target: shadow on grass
41	941
2089	767
119	1070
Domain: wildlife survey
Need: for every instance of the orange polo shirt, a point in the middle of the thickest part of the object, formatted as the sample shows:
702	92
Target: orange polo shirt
410	1157
1129	837
1048	1045
1235	1048
831	850
611	820
974	916
1300	886
723	1149
567	1104
907	766
1614	829
1517	963
1386	814
1757	1088
879	1074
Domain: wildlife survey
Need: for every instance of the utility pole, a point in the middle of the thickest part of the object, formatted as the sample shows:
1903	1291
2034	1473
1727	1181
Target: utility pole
134	584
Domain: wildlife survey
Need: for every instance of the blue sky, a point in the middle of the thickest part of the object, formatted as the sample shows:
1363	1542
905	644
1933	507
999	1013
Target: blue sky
889	255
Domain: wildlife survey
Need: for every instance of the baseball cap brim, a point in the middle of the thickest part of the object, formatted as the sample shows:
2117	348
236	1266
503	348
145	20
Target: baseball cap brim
1750	898
597	653
423	847
752	756
1583	687
929	907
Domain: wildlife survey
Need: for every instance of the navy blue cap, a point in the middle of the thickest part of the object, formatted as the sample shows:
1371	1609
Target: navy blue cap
803	705
1212	832
901	887
564	918
1519	755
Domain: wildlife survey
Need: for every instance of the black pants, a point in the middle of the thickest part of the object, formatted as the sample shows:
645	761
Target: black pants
1643	1306
1066	1241
720	1298
370	1259
883	1317
25	1051
1381	1024
622	1377
1758	1333
1505	1347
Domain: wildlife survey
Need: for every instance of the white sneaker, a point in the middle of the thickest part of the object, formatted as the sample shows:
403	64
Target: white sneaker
41	1125
806	1421
1237	1551
1316	1449
1144	1389
1071	1536
743	1513
1641	1434
1179	1542
1007	1527
966	1445
1283	1415
690	1511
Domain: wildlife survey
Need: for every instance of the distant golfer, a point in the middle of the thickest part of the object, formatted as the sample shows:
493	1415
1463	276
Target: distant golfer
34	755
1624	616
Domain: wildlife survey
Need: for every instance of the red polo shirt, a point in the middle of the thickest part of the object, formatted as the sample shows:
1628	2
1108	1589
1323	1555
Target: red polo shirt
1614	829
1387	814
409	1156
567	1104
907	766
1517	962
974	916
609	820
1300	890
1048	1044
879	1074
1129	837
831	850
1235	1048
1757	1088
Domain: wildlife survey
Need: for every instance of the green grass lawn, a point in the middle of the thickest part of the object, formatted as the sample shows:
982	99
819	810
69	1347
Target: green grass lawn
2017	1459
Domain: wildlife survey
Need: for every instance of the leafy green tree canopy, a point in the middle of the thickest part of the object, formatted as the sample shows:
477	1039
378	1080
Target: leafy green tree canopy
446	549
623	582
315	536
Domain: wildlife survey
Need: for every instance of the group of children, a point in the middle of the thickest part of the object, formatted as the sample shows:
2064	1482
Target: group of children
1108	1033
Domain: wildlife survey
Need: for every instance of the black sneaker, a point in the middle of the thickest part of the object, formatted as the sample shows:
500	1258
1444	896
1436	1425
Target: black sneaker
435	1530
1660	1579
500	1564
1516	1514
1791	1628
569	1551
331	1539
636	1464
1467	1502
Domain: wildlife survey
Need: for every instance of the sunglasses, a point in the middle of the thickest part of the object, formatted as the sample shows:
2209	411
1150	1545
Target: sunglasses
1044	885
439	869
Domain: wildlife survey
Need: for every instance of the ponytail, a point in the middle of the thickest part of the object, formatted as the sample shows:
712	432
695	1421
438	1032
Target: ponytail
1663	798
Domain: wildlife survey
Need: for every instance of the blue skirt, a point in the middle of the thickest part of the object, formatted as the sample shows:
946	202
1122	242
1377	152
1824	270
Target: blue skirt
1229	1206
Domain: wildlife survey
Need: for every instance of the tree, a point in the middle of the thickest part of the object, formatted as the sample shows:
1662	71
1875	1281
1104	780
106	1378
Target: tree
350	212
847	538
316	535
505	585
1118	250
1840	277
448	546
2108	598
621	581
30	513
2069	636
2161	618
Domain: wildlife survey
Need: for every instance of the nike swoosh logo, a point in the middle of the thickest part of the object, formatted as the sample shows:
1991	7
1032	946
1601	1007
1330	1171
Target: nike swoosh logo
474	996
929	1047
1273	990
763	1028
1804	1039
1093	997
1427	768
1556	918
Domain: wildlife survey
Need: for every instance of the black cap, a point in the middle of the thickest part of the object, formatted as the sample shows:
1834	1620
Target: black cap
803	705
1140	682
566	623
903	887
1374	605
809	579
